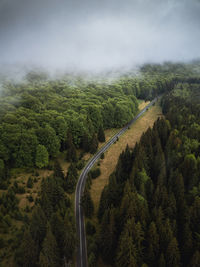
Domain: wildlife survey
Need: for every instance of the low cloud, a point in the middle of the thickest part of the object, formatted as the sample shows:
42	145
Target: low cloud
98	35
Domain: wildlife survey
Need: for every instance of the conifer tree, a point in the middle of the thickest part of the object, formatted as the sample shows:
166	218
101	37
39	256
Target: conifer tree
126	255
101	135
49	255
85	143
153	244
71	153
28	250
173	254
161	261
58	172
58	230
71	179
87	203
69	237
107	242
94	144
38	226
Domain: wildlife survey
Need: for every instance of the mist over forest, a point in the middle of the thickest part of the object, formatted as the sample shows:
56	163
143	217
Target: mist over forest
99	133
96	36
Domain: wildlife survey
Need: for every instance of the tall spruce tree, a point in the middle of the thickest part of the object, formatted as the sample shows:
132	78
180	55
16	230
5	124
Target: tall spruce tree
49	255
94	144
87	203
101	135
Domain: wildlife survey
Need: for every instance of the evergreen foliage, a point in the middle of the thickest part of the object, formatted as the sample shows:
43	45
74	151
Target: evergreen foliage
101	135
87	203
153	194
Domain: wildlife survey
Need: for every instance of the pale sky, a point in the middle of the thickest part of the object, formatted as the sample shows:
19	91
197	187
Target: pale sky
98	35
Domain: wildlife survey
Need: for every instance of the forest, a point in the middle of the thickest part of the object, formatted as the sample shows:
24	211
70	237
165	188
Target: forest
149	212
154	210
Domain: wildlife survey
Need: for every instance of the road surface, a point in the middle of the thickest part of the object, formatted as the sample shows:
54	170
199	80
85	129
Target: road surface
81	260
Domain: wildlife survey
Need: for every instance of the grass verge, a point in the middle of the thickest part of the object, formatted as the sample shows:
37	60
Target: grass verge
130	137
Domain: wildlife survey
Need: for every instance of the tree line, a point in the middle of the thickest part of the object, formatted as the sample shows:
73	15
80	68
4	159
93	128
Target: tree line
40	119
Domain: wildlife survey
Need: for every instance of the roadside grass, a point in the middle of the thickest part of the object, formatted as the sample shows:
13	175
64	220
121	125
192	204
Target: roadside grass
130	137
143	104
110	132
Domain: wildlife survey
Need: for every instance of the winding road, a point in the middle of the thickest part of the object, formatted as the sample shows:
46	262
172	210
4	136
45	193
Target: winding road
81	260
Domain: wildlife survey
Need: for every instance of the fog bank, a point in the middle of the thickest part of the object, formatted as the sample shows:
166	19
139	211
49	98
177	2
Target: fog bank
95	36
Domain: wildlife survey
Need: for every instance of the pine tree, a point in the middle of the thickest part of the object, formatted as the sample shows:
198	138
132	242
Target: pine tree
38	226
46	205
58	230
138	239
107	243
49	255
161	261
186	243
87	203
165	234
30	183
69	237
28	250
71	179
85	143
126	255
58	172
101	135
173	253
68	140
71	153
153	244
94	144
195	215
103	203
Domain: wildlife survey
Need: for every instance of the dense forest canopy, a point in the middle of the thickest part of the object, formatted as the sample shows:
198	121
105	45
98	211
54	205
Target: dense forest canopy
153	210
149	211
37	113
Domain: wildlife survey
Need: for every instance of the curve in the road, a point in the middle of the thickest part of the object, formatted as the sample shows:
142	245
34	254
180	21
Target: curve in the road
81	260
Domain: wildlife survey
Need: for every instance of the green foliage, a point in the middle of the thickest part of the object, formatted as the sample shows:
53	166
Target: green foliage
94	144
102	156
152	197
157	183
49	255
87	203
50	233
58	172
101	135
80	164
71	150
71	179
42	156
27	253
90	228
30	182
42	112
126	254
95	173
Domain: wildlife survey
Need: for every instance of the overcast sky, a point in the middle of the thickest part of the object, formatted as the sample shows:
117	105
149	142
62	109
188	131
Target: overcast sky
96	35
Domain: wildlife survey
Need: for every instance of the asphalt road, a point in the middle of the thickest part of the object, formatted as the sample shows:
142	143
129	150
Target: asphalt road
81	260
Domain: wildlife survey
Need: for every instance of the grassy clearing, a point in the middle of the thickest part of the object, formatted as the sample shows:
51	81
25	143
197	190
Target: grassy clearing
130	137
